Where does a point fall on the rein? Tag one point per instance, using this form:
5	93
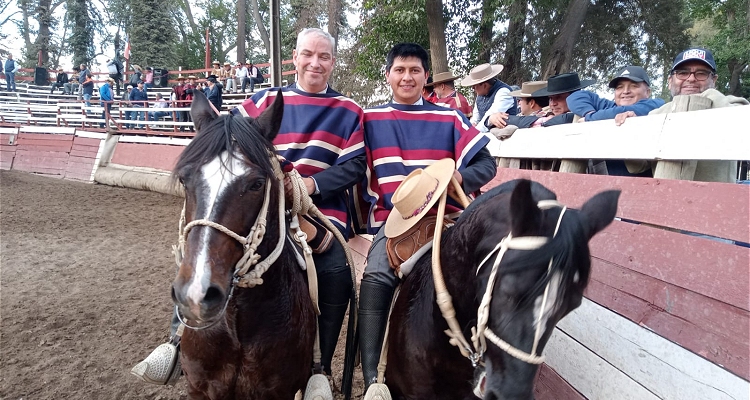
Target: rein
481	331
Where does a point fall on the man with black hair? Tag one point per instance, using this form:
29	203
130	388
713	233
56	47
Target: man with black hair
62	80
396	145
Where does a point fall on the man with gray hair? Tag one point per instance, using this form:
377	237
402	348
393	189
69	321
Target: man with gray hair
322	135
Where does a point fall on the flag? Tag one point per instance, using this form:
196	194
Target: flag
126	53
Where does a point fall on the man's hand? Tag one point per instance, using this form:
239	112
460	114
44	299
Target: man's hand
498	119
459	179
621	117
310	185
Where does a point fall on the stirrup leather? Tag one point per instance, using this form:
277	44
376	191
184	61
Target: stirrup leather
161	367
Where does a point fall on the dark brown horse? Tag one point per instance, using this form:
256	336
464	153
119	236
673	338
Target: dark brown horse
421	362
252	342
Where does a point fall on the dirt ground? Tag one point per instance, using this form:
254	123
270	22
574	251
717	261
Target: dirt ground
85	273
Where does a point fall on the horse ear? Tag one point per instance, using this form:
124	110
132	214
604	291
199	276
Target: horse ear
201	110
269	121
599	211
525	216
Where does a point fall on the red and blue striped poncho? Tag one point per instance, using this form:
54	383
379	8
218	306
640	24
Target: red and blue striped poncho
401	138
318	131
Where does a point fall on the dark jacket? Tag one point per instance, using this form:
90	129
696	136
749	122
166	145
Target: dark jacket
139	97
214	96
62	77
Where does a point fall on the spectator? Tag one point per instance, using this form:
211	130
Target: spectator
227	76
241	75
632	93
179	96
213	92
148	81
62	80
10	69
256	77
557	90
115	68
105	95
136	76
189	87
125	103
492	95
216	71
428	92
139	99
73	84
446	94
87	85
406	134
692	79
530	105
322	136
158	103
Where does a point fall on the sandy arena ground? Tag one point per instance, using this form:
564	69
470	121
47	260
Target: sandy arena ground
85	273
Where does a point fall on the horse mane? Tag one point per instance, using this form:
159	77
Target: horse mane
228	133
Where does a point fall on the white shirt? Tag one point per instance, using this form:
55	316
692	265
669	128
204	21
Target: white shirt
503	101
241	72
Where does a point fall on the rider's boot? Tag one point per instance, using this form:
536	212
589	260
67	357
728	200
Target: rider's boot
162	366
333	301
374	304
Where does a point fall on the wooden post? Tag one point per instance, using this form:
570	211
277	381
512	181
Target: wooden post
275	68
684	170
574	166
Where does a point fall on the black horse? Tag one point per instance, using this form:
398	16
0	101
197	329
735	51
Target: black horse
534	289
252	342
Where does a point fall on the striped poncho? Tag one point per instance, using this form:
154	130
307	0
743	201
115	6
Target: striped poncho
318	131
401	138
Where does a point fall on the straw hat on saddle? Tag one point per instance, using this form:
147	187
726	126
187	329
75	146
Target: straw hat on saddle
527	88
481	73
416	195
442	77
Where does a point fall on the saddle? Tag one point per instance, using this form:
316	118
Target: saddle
404	246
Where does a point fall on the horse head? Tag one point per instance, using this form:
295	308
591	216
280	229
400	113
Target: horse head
538	281
228	176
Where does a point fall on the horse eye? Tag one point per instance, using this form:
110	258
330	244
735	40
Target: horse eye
257	185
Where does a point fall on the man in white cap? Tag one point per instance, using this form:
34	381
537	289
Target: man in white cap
493	95
401	137
446	94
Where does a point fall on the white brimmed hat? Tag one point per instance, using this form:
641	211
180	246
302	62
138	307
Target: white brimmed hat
527	88
481	73
416	195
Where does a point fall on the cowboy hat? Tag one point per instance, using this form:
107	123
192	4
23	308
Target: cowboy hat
216	62
192	77
481	73
527	88
416	195
442	77
227	63
563	83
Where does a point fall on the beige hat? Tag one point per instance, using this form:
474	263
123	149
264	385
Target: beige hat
527	88
216	62
442	77
481	73
416	195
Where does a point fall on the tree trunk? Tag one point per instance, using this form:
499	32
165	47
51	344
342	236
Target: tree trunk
44	17
335	9
241	29
561	52
513	72
735	71
485	31
261	27
24	5
189	14
436	29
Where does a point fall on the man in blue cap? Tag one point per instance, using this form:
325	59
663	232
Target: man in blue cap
693	72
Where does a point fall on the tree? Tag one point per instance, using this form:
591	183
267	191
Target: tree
436	29
152	33
559	56
513	71
81	40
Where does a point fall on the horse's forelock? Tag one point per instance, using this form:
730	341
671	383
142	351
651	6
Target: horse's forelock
227	133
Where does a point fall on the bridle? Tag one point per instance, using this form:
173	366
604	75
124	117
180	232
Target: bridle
481	332
242	276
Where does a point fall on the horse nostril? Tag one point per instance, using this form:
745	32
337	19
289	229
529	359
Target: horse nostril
214	297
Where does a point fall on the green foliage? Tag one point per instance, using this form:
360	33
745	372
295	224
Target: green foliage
152	34
385	24
81	39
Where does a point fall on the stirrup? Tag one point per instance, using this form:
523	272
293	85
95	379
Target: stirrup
318	388
161	367
378	391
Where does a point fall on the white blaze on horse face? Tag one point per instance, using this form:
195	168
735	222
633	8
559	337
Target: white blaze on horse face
549	305
217	176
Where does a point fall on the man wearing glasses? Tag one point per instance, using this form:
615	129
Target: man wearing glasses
694	74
